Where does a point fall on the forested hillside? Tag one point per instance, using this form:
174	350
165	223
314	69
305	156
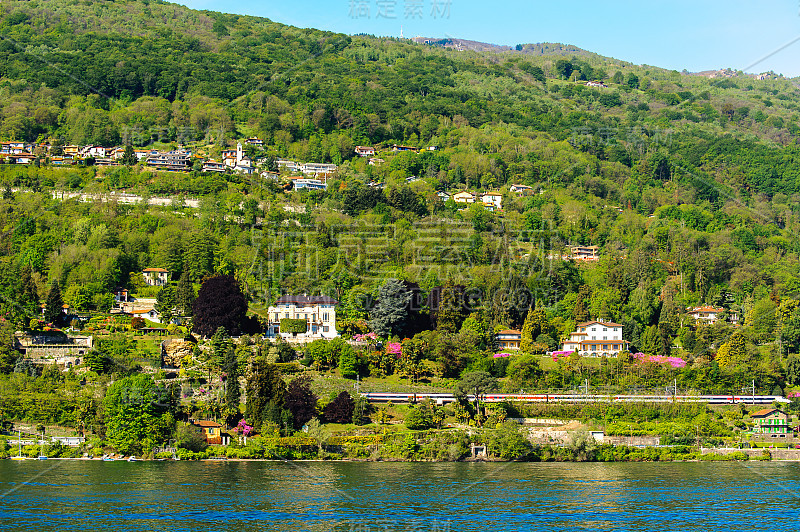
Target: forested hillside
688	185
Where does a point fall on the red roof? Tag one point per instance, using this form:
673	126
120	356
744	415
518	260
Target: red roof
156	270
765	412
605	323
206	424
510	332
707	308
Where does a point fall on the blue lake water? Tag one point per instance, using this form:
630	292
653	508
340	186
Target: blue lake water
364	497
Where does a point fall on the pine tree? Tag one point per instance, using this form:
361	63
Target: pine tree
232	391
264	384
184	296
128	157
53	309
220	345
28	294
581	312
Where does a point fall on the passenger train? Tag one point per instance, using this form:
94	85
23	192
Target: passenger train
444	398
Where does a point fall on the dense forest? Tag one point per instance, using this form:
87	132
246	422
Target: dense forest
688	185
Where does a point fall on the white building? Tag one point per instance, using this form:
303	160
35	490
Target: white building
311	184
319	312
492	201
156	276
596	338
707	314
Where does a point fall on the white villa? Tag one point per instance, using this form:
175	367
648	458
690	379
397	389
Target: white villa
706	313
156	276
596	338
319	312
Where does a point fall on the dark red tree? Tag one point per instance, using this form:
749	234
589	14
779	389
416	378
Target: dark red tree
340	410
220	303
301	401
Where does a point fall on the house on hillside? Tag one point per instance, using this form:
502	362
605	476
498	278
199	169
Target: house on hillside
375	161
150	314
706	314
464	197
365	151
596	338
492	201
596	84
171	161
584	253
509	339
316	315
212	432
213	166
521	190
156	276
770	421
308	184
398	148
254	141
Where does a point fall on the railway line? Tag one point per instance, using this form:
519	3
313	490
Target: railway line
444	398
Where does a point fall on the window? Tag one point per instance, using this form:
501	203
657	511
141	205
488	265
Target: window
325	328
615	329
594	347
325	316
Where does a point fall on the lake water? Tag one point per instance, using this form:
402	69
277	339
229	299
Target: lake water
365	497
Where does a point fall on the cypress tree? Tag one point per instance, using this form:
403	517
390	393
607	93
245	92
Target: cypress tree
184	295
54	305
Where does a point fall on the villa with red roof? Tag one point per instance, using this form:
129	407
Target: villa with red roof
596	338
156	276
707	313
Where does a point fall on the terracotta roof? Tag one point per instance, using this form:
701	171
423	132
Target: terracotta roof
605	323
764	412
510	331
707	308
207	424
157	270
142	311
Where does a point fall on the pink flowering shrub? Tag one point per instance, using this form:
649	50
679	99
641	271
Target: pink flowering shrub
394	348
560	354
243	428
793	394
501	355
369	337
674	362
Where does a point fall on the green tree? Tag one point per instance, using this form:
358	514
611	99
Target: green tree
349	363
28	294
184	295
128	157
526	343
136	421
451	311
232	390
793	370
264	385
477	384
54	305
395	313
166	303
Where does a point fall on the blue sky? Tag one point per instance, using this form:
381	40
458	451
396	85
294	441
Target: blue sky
696	35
